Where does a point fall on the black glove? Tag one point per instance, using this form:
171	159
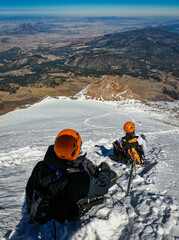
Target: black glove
103	165
86	206
116	145
89	166
77	163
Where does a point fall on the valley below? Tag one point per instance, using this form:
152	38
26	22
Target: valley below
112	59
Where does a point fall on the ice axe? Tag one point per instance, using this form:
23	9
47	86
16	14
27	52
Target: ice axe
131	171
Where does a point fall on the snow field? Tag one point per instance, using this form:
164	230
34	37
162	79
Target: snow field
150	212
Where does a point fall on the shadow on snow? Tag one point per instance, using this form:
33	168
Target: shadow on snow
104	151
49	231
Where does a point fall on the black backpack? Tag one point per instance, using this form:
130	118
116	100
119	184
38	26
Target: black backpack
132	149
45	193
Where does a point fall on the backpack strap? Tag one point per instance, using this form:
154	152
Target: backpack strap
68	170
38	210
133	140
34	206
58	172
131	147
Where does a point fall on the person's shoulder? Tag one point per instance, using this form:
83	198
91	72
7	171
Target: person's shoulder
38	165
50	148
50	152
140	139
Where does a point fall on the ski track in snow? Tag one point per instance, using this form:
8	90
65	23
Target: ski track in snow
96	118
151	210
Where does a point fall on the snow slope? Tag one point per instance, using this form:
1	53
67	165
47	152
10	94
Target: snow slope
150	212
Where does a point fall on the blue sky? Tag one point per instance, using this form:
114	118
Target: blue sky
93	7
91	2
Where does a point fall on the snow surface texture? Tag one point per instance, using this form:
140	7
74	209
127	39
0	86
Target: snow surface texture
150	212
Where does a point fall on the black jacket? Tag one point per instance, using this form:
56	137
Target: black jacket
60	187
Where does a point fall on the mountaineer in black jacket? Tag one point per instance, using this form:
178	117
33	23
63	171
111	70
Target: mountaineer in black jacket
65	185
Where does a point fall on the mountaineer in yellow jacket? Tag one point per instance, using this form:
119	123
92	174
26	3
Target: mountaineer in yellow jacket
130	147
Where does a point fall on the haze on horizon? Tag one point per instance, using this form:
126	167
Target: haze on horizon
91	7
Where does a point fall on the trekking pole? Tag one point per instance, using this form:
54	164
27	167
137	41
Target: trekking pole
121	174
130	177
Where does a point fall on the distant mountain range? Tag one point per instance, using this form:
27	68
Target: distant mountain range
170	27
27	28
135	52
81	25
24	29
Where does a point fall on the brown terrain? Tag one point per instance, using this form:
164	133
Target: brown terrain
30	95
115	88
61	57
110	88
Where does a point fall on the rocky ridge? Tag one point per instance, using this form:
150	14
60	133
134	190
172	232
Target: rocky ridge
110	88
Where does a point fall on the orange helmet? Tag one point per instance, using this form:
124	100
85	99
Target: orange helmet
67	144
129	127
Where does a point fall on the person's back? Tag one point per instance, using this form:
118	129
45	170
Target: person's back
63	181
51	181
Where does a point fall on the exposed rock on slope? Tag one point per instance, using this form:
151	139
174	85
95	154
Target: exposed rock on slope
110	88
